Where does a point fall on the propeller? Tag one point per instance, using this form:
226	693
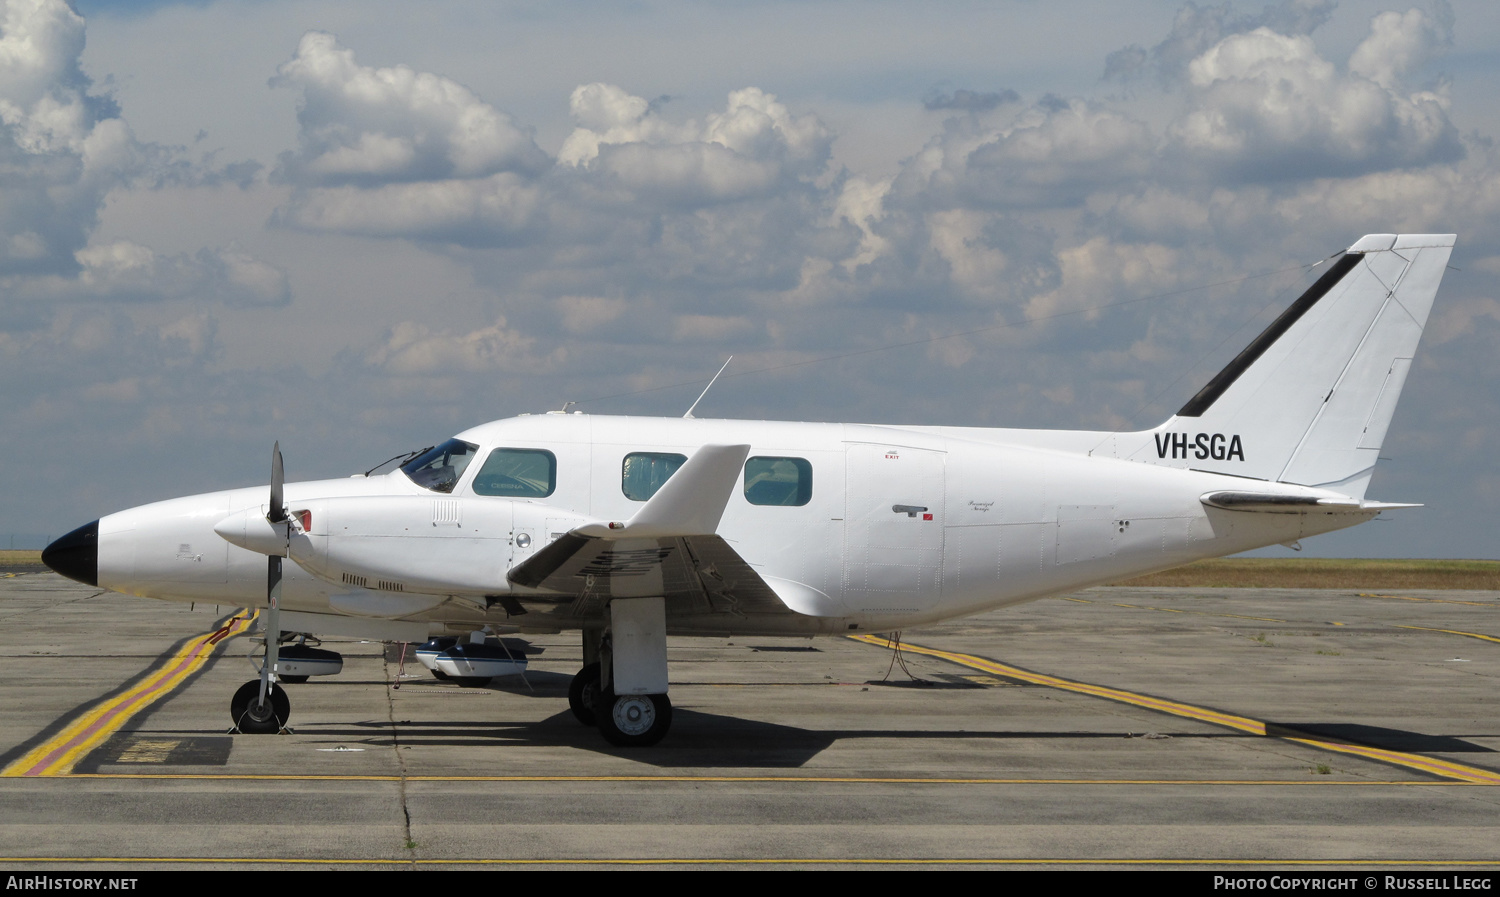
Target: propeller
277	516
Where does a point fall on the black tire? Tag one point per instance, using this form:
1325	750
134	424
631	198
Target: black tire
439	674
470	681
293	680
252	718
633	720
583	692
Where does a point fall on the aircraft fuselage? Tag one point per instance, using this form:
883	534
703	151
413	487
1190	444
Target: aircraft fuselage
899	526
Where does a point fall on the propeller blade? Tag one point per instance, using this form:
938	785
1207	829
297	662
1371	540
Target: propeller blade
277	514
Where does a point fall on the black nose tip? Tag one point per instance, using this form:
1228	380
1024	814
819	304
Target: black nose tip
76	555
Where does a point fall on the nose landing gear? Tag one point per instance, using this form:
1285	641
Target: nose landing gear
261	706
254	716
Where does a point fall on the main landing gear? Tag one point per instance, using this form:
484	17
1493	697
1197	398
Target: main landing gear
633	720
583	692
623	720
622	687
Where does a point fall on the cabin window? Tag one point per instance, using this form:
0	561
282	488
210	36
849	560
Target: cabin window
778	481
517	473
440	467
644	472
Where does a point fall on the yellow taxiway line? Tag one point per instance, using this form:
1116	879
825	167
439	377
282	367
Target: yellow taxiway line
1446	769
1478	635
1489	604
59	754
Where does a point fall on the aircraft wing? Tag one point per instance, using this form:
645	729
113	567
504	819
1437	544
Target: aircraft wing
669	547
697	574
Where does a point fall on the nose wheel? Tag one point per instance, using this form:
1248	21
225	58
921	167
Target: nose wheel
253	716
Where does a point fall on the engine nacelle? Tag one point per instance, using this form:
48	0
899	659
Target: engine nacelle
419	544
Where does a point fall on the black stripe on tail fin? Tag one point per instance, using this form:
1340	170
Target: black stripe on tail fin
1231	372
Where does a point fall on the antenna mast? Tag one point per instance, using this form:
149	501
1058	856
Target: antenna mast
689	415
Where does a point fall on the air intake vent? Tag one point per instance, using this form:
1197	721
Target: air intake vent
445	513
387	586
351	579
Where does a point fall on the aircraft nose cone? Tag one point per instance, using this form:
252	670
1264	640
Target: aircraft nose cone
76	555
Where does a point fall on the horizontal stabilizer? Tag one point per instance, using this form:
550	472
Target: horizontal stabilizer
1293	502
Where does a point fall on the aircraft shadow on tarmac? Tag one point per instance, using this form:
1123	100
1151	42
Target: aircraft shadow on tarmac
699	740
707	740
1378	737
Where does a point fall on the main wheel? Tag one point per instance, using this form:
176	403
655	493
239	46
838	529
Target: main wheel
633	720
252	717
583	692
470	681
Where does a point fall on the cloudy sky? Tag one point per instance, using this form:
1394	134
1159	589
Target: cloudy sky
360	227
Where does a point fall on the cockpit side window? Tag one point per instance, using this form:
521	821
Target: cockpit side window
440	467
645	472
517	473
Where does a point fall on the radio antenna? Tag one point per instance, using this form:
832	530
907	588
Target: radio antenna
689	415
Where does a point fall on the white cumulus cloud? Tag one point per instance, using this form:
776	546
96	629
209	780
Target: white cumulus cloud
752	148
491	210
61	147
63	150
1266	106
367	125
414	348
124	270
1053	153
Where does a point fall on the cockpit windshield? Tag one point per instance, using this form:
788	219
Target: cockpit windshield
439	467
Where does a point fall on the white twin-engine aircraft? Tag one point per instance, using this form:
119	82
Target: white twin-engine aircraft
633	529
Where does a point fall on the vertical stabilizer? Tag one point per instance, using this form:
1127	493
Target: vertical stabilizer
1309	400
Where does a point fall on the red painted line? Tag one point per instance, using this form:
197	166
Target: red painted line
150	691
